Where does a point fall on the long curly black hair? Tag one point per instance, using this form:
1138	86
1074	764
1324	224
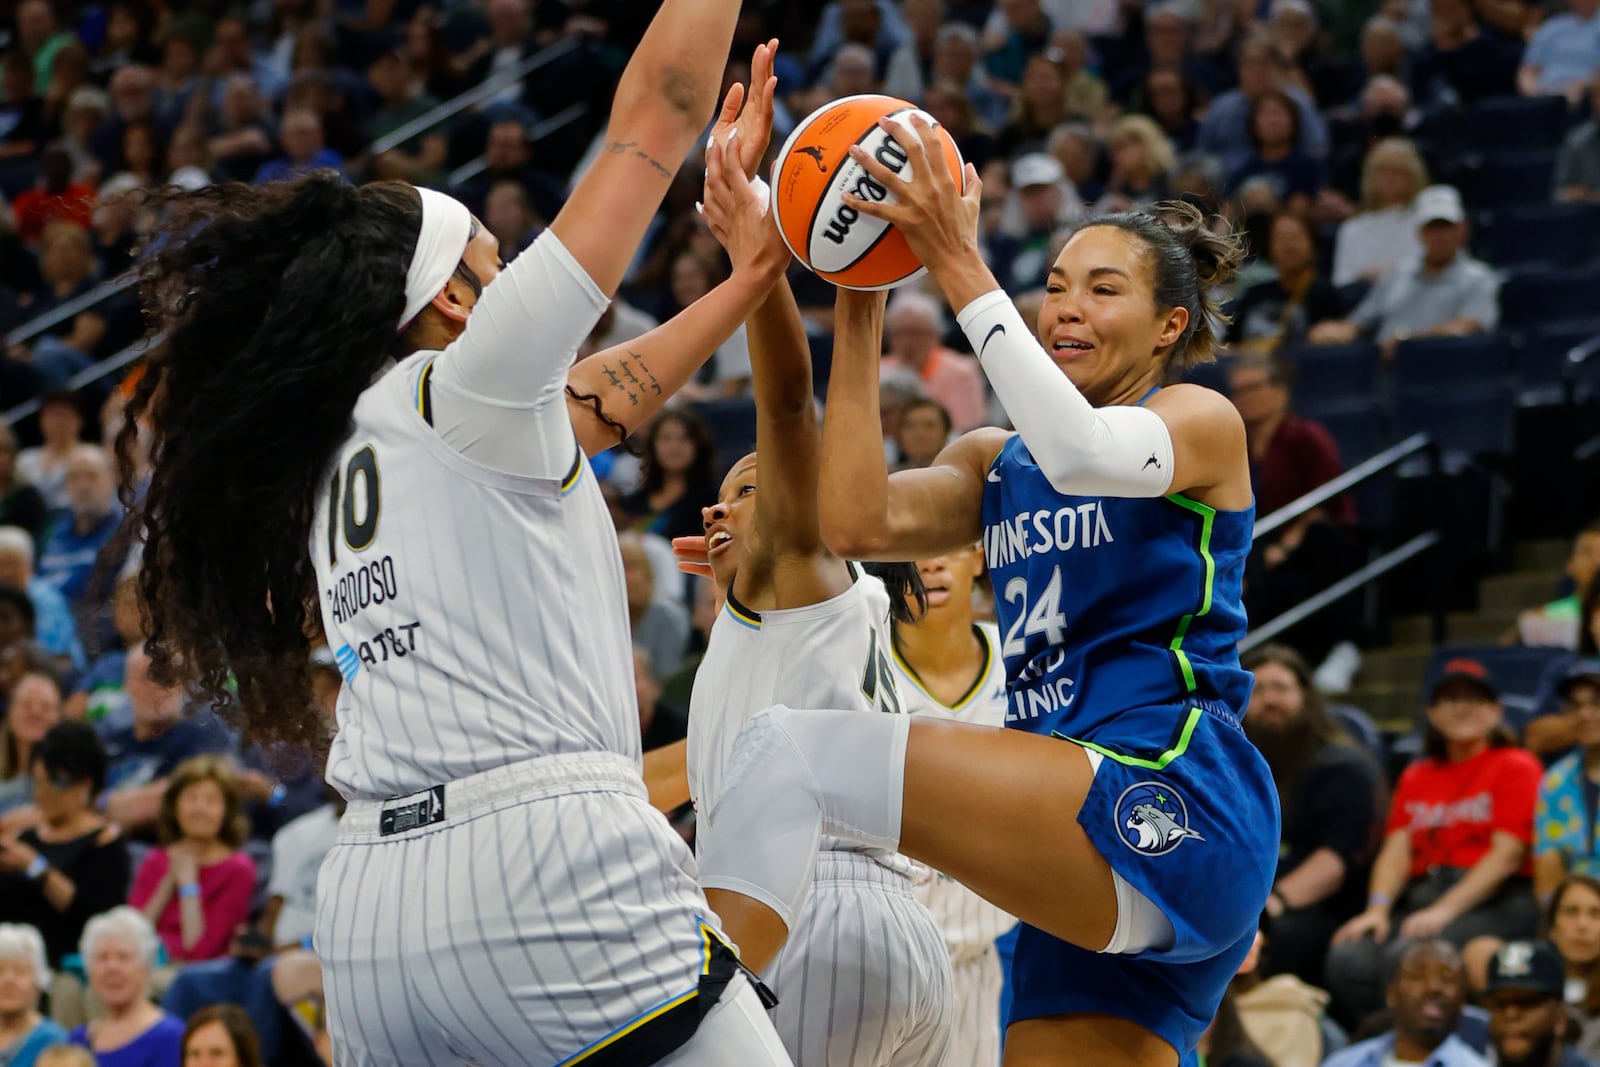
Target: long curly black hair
271	309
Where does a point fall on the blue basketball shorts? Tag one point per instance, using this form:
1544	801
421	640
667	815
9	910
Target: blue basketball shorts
1195	829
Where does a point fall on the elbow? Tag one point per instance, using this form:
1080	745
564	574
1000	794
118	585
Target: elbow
849	537
669	95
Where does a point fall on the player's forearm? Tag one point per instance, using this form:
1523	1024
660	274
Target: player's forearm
666	776
853	483
1121	451
633	380
669	88
780	358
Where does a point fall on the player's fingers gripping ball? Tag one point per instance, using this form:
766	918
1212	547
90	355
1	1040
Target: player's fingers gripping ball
813	174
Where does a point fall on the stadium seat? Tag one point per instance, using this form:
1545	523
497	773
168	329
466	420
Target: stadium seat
1542	357
733	427
1557	235
1511	179
1334	373
1210	375
1517	123
1535	298
1355	425
1517	672
1474	422
1425	362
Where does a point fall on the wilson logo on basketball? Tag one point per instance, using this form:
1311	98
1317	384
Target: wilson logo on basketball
890	155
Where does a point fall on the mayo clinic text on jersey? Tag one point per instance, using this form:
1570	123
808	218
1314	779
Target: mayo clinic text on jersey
1017	538
368	584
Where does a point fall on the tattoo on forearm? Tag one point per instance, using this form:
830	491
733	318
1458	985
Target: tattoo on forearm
631	148
633	367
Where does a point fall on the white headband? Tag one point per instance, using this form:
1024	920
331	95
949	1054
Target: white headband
446	229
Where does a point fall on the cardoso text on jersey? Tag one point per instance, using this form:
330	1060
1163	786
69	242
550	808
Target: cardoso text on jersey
358	589
1074	526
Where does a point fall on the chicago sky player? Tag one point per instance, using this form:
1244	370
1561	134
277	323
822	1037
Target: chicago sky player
348	371
1116	526
950	665
862	978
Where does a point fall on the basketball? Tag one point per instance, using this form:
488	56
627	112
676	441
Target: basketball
813	173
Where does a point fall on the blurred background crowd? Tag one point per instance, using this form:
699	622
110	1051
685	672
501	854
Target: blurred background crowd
1419	181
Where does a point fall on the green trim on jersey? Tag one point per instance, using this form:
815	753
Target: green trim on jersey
1161	761
1208	517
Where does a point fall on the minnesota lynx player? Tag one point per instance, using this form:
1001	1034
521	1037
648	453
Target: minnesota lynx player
862	978
950	666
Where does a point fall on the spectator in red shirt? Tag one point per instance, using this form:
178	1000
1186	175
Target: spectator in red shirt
912	323
54	198
196	887
1455	861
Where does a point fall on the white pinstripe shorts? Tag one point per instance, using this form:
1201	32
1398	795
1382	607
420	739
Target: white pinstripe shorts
864	978
530	914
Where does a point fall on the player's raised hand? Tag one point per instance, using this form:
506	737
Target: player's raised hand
749	111
737	215
693	556
937	214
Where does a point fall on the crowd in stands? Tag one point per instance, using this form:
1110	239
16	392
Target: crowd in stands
1418	180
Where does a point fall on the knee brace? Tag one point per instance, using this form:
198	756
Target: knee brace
795	775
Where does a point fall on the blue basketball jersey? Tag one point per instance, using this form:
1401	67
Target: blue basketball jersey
1118	616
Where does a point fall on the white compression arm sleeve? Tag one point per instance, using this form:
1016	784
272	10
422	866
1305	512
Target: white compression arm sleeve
1081	449
498	388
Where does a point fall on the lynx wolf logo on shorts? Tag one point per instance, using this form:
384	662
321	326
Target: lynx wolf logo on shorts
1153	819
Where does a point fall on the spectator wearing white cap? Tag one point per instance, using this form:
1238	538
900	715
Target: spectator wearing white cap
1041	200
23	979
1443	293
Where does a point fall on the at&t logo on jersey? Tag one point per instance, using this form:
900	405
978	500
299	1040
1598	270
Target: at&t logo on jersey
1152	819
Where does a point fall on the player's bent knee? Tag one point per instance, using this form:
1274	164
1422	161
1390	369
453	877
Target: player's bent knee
760	839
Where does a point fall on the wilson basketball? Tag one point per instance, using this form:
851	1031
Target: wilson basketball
813	173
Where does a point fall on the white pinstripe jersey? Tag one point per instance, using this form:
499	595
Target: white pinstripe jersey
970	923
834	654
479	618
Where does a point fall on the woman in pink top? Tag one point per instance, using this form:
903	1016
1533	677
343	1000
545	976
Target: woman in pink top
196	887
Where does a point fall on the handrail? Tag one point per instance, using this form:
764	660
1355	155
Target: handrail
1581	353
455	105
540	130
1379	463
87	376
104	291
1339	590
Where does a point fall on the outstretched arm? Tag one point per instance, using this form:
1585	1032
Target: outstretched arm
865	514
1185	439
633	380
556	290
665	98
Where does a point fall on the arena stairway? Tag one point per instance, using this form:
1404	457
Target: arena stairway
1389	684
